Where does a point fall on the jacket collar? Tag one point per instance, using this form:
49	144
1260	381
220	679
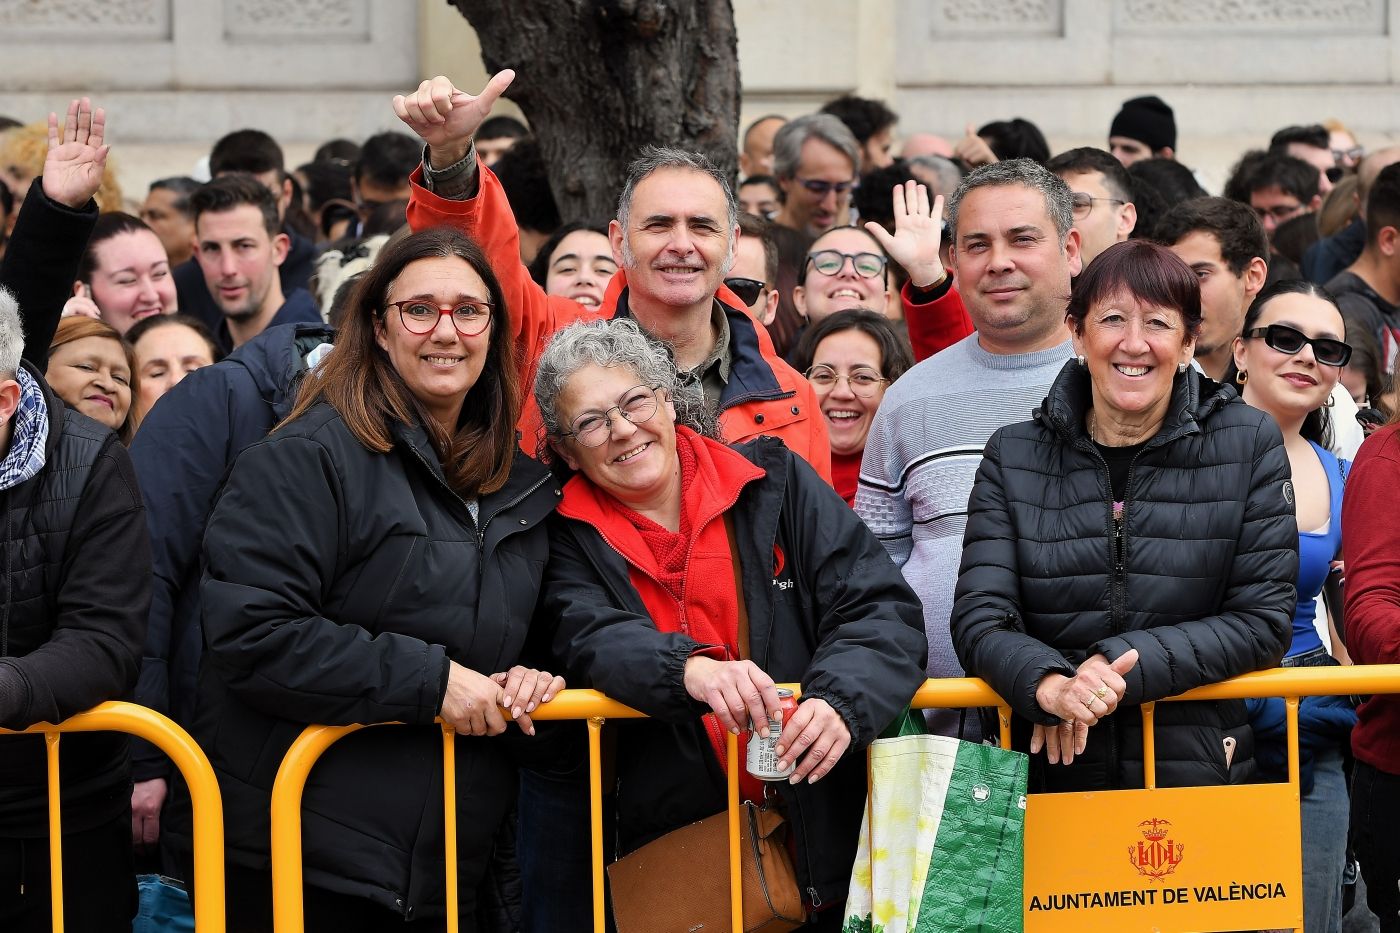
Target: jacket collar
527	475
721	473
1195	398
751	374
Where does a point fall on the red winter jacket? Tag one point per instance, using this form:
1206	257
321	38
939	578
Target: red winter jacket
764	395
1371	543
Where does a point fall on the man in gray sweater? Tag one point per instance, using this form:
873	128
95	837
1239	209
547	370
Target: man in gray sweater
1014	252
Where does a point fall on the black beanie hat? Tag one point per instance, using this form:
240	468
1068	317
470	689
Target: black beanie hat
1148	120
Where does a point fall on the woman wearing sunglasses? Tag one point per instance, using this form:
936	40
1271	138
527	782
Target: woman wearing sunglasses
851	358
1287	361
409	544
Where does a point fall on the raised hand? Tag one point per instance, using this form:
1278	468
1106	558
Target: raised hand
973	150
77	155
447	118
918	232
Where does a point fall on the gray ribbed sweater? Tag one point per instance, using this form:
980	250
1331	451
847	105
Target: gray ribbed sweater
921	458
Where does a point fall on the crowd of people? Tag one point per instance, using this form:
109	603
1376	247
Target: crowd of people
384	438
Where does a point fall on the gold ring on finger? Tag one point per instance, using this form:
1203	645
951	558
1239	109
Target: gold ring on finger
1101	692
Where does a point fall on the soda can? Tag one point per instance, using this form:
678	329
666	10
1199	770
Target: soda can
763	753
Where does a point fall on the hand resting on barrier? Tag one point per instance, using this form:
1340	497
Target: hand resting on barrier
1080	702
474	703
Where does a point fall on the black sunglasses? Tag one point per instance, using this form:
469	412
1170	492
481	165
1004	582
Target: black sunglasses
748	290
1287	339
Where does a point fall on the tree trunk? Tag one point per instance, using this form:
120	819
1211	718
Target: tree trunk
600	79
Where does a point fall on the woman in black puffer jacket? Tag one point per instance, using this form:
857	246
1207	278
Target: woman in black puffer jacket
1134	540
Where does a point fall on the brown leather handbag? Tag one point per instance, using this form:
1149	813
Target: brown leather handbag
680	882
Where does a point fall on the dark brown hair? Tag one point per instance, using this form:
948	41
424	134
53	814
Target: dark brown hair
1148	272
358	380
895	356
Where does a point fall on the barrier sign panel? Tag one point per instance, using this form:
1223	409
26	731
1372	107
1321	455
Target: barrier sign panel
1174	859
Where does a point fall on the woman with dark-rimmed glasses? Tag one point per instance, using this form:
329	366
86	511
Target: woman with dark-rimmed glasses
851	358
377	559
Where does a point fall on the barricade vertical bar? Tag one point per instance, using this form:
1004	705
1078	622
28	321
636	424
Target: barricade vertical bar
1291	706
595	802
1004	722
55	832
449	820
736	875
1149	745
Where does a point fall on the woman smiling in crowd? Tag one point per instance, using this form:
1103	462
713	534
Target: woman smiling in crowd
124	275
411	547
93	370
851	358
1142	517
1286	363
576	262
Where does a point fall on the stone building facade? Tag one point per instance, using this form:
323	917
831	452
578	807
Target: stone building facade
176	74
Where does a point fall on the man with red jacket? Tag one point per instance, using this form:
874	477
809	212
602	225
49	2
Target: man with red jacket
674	241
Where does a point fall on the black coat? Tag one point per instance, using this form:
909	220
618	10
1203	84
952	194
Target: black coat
1202	586
338	583
182	452
838	618
41	264
77	584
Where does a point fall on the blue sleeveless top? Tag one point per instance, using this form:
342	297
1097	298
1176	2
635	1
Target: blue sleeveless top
1315	555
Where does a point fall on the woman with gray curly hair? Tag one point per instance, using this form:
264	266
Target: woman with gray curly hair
641	585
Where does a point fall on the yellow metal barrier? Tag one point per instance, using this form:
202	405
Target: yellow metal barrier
199	776
596	709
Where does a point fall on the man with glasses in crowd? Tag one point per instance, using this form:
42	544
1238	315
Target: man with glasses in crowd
674	238
1101	193
1281	187
816	160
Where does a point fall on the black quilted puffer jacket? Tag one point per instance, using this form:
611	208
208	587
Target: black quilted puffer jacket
1198	576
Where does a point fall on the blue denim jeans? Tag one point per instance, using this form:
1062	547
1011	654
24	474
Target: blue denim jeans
1325	810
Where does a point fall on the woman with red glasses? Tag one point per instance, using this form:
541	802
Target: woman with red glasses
377	559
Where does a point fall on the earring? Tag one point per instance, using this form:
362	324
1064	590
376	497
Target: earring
1331	401
1081	360
1242	377
1182	367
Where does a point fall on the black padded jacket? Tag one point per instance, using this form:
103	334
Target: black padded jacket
1198	577
338	583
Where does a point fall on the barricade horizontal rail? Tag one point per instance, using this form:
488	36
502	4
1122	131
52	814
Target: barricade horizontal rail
596	708
199	777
